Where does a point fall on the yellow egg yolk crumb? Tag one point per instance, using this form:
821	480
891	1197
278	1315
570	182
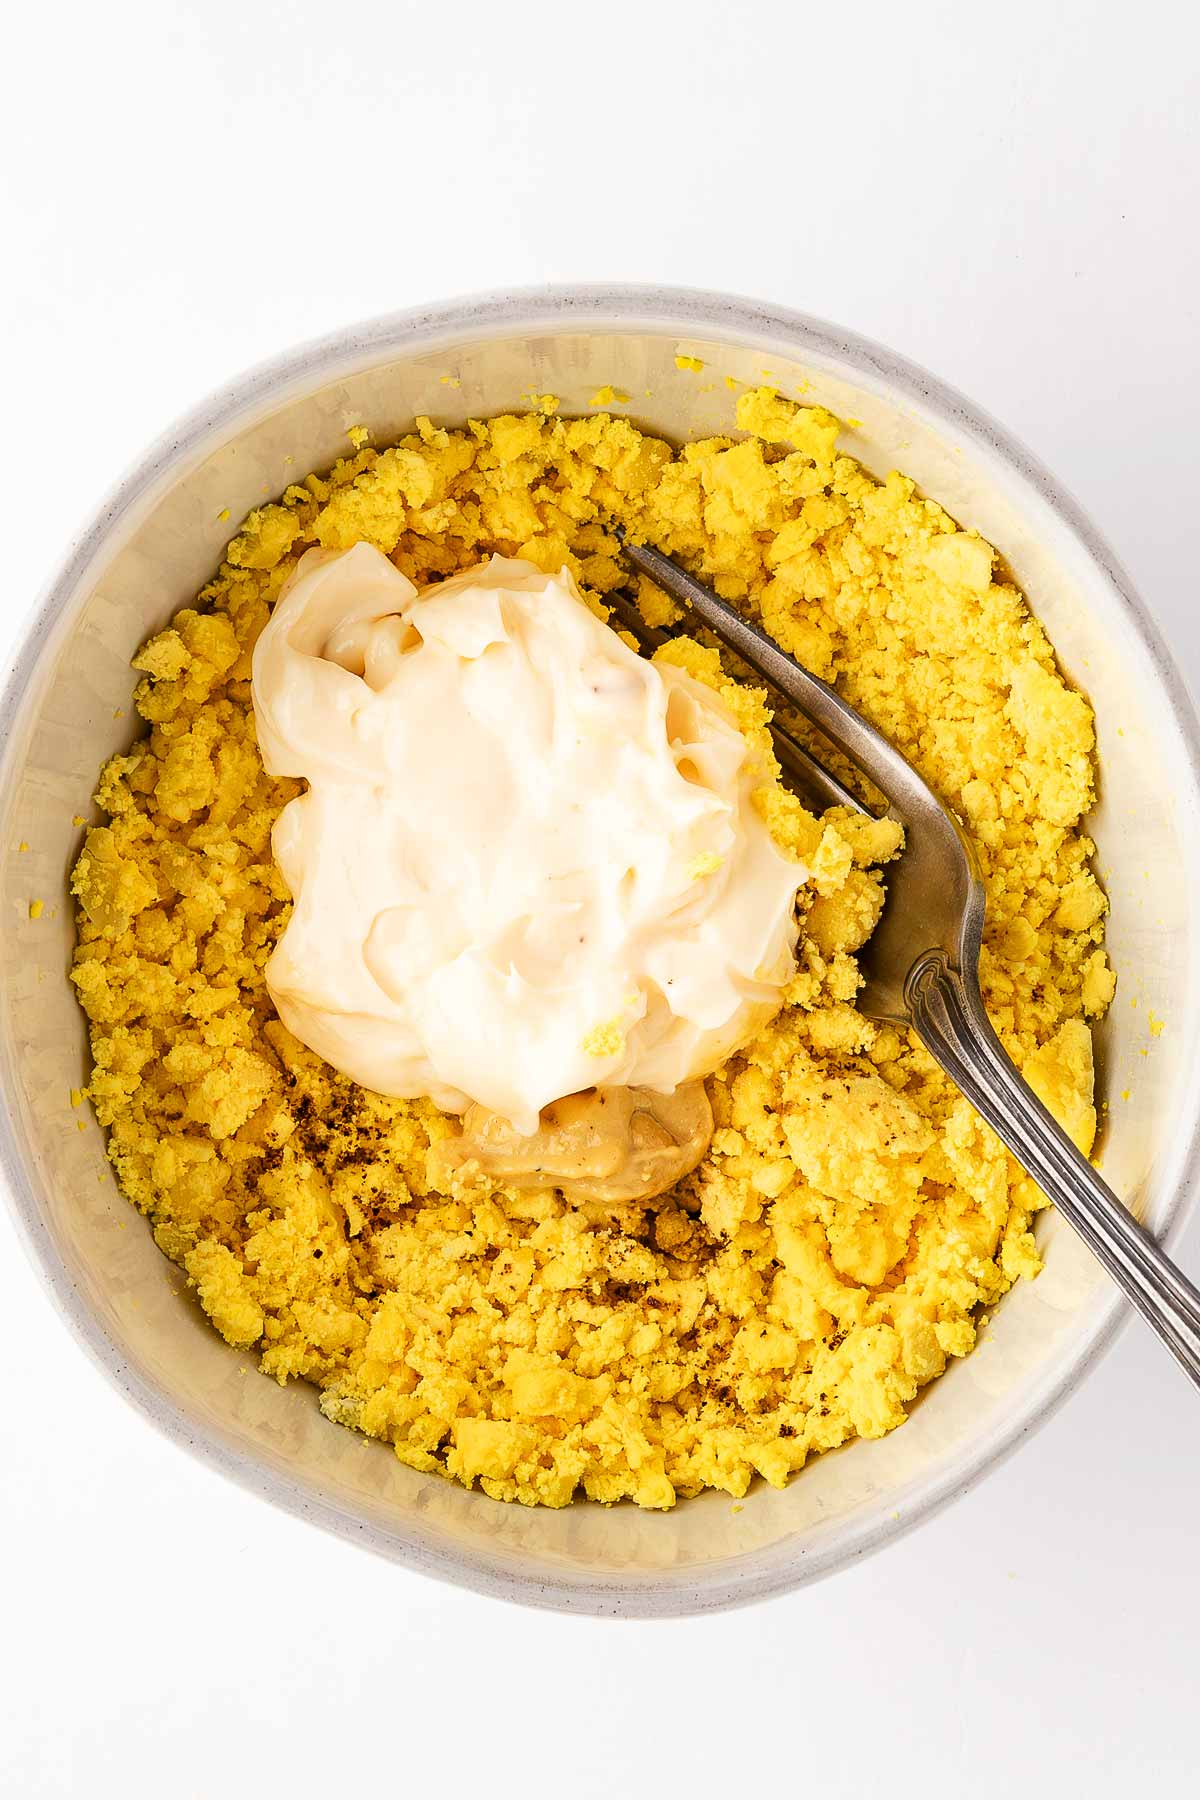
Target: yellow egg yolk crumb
605	1040
707	863
852	1214
609	396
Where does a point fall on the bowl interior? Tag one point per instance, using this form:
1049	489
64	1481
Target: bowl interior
70	707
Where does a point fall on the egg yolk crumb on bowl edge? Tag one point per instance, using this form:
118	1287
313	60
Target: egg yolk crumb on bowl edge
852	1215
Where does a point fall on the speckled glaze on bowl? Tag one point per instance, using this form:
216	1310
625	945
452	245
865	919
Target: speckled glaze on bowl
147	552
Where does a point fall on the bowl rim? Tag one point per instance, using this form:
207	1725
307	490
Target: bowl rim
551	310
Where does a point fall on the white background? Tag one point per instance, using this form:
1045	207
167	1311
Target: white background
1011	195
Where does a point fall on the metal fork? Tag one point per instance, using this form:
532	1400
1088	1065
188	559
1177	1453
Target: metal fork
921	965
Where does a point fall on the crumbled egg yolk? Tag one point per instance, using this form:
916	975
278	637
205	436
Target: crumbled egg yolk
831	1250
609	396
605	1040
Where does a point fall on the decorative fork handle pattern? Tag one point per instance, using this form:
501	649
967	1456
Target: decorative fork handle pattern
947	1013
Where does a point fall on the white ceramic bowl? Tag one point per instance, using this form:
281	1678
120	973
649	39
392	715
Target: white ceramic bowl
148	551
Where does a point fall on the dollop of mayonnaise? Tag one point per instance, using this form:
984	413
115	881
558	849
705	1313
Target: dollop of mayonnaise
528	861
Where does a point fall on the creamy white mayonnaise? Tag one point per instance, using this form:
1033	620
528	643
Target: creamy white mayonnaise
528	861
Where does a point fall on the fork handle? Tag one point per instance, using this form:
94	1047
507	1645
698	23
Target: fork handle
947	1013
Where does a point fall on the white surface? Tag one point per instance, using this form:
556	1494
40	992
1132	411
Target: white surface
1008	195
